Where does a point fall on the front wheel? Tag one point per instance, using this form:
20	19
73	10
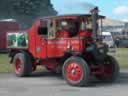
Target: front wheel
76	71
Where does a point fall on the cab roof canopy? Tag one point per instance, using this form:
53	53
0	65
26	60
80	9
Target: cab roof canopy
70	16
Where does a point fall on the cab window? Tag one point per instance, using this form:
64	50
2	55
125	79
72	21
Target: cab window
43	29
67	28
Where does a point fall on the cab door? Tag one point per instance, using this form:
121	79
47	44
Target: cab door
55	46
41	40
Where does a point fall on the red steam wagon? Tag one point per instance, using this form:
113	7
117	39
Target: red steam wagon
70	44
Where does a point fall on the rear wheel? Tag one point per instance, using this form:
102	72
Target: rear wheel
110	70
22	64
76	71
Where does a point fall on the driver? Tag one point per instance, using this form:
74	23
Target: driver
63	30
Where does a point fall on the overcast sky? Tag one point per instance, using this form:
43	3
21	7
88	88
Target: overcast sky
115	9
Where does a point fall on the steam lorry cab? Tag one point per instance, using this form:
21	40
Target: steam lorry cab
68	44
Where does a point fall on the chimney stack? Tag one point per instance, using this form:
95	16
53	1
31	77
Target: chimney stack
94	13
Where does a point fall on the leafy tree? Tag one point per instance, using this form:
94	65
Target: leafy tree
25	11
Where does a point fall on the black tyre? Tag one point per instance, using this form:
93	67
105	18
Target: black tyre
111	70
76	71
22	64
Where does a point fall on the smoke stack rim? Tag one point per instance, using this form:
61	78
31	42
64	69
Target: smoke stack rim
94	11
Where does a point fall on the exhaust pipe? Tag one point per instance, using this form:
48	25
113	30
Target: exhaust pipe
94	13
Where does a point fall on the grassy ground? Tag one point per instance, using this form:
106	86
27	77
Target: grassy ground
121	55
4	63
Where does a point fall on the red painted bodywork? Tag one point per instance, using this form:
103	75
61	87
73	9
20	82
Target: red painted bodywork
43	48
6	26
63	43
51	48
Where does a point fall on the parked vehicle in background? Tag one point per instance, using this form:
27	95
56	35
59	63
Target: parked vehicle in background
5	26
108	39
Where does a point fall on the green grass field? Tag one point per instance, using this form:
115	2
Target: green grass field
4	63
121	55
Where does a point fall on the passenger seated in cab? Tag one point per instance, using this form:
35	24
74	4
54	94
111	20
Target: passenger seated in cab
67	29
86	30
